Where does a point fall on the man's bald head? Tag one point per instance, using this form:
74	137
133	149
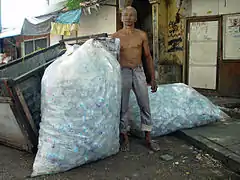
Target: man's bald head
129	16
130	9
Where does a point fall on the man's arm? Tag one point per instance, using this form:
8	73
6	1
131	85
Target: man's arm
114	35
148	55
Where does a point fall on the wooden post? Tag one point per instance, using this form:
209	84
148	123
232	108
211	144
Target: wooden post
1	41
0	16
155	26
124	3
128	3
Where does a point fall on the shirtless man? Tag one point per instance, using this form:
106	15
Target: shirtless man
133	77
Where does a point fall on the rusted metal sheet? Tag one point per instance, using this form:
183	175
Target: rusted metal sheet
20	88
10	132
229	78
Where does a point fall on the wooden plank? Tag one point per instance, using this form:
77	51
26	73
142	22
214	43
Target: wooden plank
26	110
5	99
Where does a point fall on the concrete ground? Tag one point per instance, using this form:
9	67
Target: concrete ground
220	139
176	161
226	102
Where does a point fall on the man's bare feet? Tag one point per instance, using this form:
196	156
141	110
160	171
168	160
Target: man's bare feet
152	145
125	147
124	144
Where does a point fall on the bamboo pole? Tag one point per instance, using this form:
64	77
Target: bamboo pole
1	41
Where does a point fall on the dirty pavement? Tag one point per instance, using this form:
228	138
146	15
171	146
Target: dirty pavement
176	161
220	139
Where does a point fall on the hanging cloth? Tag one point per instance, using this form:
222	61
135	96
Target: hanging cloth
66	23
63	29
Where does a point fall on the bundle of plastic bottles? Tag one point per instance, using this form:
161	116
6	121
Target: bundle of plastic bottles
174	107
80	104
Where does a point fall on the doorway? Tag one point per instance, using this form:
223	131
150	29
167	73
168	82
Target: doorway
202	53
144	23
144	20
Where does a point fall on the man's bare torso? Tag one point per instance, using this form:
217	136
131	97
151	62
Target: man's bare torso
131	47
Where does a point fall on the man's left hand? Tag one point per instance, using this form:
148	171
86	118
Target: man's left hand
154	86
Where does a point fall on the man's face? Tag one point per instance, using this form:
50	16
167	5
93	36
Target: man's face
129	17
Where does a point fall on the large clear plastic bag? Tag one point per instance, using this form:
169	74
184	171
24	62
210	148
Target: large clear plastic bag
81	96
174	107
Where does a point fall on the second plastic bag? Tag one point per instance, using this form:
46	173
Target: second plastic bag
174	107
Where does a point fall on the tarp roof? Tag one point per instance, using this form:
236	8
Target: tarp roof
37	26
41	24
10	32
33	26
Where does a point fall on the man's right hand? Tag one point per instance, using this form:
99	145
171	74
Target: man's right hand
154	86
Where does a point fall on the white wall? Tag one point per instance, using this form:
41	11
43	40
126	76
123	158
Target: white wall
103	21
232	6
55	1
54	39
214	7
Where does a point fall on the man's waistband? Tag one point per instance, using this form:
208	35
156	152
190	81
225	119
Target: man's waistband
140	66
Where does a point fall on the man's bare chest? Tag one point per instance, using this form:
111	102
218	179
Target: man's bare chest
130	42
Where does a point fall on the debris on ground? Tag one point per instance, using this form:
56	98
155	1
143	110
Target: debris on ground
137	164
166	157
232	112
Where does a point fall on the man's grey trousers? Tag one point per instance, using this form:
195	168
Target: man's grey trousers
135	79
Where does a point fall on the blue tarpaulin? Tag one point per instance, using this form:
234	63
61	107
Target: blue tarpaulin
69	17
